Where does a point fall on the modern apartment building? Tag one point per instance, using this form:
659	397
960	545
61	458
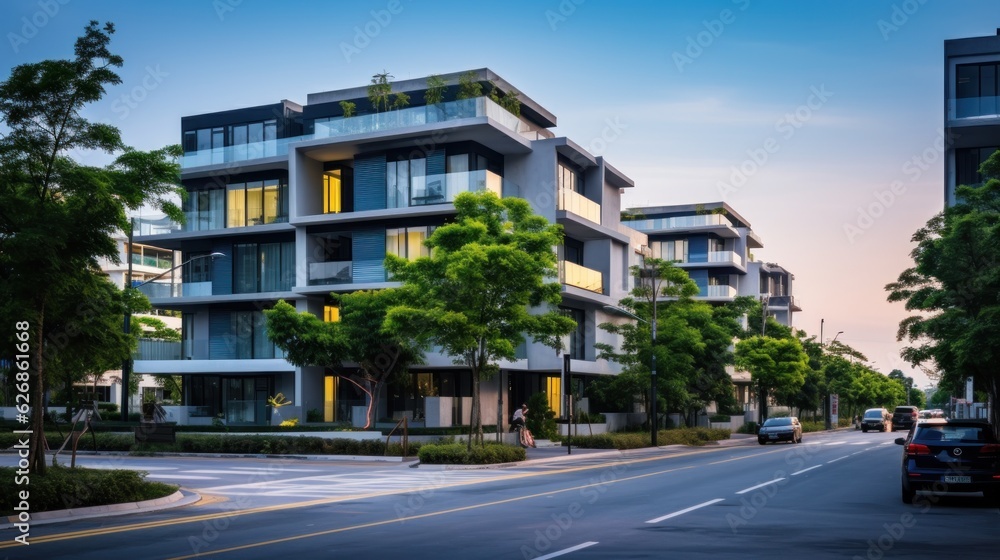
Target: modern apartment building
972	109
713	243
293	202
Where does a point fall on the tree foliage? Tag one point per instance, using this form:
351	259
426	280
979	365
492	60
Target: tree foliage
359	337
777	366
57	217
486	285
953	290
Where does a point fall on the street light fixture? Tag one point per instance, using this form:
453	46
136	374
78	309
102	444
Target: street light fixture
127	363
652	377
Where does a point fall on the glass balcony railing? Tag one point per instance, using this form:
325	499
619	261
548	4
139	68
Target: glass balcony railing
582	277
204	220
721	292
361	124
339	272
154	226
725	257
153	349
974	107
677	222
152	261
162	290
580	205
439	189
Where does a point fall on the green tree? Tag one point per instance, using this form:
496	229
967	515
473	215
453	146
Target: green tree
777	367
358	337
57	217
379	91
953	290
436	87
468	86
485	287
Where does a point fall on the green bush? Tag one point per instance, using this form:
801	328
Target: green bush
541	419
64	488
637	440
590	418
720	418
748	428
457	454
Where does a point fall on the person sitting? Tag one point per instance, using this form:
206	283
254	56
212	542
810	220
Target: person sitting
519	416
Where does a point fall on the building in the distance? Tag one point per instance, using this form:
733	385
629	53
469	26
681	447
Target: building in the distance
298	201
972	109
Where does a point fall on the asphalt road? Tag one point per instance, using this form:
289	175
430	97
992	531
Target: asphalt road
834	496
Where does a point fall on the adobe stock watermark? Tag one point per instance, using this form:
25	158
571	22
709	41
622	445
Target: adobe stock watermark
713	29
124	105
364	34
223	7
562	12
544	538
899	17
786	127
914	169
31	25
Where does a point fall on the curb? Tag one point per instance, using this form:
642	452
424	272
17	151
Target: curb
177	499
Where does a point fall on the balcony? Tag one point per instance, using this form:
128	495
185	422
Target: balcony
362	124
334	272
443	188
783	302
974	107
723	291
582	277
725	257
204	220
678	222
163	290
154	349
578	204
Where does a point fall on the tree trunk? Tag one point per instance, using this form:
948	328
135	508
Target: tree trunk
36	441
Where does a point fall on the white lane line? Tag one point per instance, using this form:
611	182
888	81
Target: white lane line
752	488
806	470
837	459
566	550
836	443
683	511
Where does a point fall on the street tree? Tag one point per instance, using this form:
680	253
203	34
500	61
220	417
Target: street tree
358	337
953	290
777	367
486	286
57	216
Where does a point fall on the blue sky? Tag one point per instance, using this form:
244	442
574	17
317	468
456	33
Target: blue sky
817	121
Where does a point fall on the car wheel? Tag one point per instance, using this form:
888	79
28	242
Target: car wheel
864	430
907	494
762	442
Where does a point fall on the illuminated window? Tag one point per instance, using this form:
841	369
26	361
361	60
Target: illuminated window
331	314
329	398
332	202
408	242
256	202
553	390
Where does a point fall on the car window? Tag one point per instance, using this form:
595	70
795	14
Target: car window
954	434
873	414
778	422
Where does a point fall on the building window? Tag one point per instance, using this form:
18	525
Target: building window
402	178
331	314
408	242
263	267
205	210
332	195
256	202
553	390
674	251
568	178
203	394
249	331
967	162
976	89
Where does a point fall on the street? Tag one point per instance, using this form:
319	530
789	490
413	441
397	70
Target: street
836	495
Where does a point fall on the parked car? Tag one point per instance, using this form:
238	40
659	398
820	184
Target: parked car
876	419
780	429
931	413
904	417
950	456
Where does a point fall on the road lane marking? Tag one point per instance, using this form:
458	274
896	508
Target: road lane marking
806	470
683	511
182	476
837	459
752	488
567	550
835	443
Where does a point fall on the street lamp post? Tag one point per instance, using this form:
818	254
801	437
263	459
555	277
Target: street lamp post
652	377
127	363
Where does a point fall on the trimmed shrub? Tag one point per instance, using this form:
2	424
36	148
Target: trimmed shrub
64	488
456	454
636	440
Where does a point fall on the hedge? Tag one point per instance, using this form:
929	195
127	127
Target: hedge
64	488
458	454
637	440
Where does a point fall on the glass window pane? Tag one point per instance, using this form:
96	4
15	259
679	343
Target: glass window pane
392	243
236	211
204	139
255	203
255	132
245	268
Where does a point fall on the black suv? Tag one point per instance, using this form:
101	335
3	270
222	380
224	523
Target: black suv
904	417
951	456
876	419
